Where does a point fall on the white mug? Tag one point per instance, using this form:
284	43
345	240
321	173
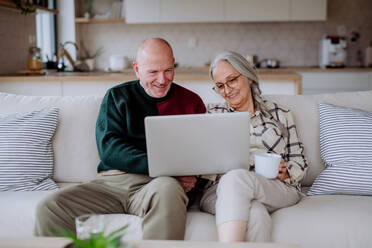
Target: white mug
118	62
267	164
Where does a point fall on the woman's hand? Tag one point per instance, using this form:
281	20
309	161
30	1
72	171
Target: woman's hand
187	182
283	173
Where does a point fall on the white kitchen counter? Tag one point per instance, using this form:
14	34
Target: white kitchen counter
96	83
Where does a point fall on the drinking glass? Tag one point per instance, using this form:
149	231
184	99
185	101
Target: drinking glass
89	224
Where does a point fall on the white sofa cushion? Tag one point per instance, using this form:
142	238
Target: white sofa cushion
26	154
306	116
325	221
18	218
195	222
200	226
17	210
345	135
351	178
346	149
77	161
76	156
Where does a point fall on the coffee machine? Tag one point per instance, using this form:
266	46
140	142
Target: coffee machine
332	52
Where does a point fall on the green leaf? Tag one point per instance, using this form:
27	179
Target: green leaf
99	240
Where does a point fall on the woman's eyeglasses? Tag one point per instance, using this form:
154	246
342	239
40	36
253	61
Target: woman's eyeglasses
232	84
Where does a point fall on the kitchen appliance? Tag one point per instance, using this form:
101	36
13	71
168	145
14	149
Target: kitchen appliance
332	52
118	62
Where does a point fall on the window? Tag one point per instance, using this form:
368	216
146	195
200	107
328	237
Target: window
46	32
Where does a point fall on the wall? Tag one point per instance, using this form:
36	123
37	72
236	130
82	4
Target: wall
15	30
293	43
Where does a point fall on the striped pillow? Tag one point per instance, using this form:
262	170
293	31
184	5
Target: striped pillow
26	153
346	149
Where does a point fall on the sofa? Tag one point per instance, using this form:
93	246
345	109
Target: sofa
316	221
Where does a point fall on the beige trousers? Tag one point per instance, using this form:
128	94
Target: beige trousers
160	201
243	195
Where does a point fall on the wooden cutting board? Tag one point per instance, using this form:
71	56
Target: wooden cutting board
35	73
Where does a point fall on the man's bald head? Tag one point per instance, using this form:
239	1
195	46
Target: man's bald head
154	66
153	46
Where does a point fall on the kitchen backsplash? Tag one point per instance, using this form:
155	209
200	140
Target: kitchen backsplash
17	32
293	43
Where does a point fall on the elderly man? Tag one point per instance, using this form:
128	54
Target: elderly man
123	184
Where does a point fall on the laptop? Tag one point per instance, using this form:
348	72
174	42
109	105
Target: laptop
197	144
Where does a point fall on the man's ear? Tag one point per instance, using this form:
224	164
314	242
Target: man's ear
135	68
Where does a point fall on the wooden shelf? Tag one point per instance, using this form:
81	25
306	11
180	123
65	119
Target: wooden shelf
46	9
103	20
9	4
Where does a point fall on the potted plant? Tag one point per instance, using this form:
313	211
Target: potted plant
25	7
88	6
89	57
98	240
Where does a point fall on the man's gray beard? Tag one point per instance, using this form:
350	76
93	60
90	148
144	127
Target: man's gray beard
151	93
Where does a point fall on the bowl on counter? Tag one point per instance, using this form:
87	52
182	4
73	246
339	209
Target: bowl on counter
269	63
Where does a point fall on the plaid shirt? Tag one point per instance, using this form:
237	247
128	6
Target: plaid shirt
274	132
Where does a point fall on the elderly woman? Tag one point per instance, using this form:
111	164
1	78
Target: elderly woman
241	199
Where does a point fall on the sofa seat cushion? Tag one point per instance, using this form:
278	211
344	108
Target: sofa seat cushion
195	222
325	221
17	210
18	218
200	226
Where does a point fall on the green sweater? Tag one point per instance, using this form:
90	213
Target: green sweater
120	128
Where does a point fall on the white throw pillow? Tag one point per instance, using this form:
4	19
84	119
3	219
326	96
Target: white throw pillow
346	149
26	152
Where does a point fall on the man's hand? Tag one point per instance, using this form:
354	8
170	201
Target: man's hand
187	182
283	173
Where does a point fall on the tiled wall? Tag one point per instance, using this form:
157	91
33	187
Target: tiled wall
15	30
293	43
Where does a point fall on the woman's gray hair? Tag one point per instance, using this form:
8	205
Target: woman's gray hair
239	63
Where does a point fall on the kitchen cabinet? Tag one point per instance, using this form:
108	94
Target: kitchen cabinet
305	10
181	11
331	82
256	10
23	86
281	81
275	10
83	88
204	90
271	82
59	86
142	11
197	80
268	87
191	11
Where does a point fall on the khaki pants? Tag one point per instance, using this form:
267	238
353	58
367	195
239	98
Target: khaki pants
160	201
242	195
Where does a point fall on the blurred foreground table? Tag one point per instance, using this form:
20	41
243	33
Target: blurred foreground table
64	242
